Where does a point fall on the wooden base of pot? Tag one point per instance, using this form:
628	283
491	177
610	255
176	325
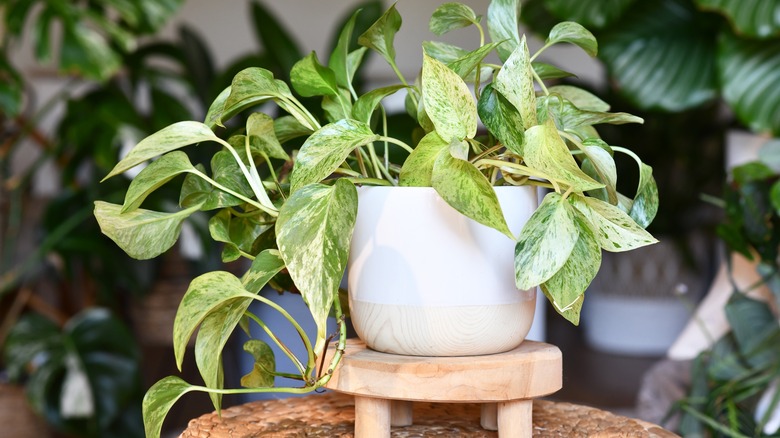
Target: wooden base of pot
385	385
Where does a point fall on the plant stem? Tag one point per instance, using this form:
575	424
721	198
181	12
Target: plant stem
519	168
252	178
254	203
396	142
278	342
369	181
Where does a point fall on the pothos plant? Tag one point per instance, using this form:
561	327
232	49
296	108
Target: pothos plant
292	211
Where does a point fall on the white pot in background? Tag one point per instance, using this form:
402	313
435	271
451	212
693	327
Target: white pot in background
425	280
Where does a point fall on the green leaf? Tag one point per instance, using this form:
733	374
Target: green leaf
600	162
367	103
381	34
238	233
752	171
32	335
769	154
549	71
448	101
260	130
546	151
582	99
749	71
751	18
310	78
158	402
274	38
515	82
225	171
165	140
288	128
645	204
253	86
325	150
503	21
546	242
466	190
313	231
755	329
613	229
451	16
142	234
465	65
214	113
337	107
570	118
10	88
206	294
154	176
262	374
339	58
502	119
443	52
265	265
566	288
662	55
418	167
571	32
84	50
595	14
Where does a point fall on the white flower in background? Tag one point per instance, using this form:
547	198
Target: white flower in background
76	400
764	403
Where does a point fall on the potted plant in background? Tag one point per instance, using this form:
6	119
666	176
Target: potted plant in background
293	214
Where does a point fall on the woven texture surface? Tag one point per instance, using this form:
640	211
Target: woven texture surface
333	415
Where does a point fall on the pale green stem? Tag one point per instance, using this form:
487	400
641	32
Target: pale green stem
358	154
297	106
256	204
251	177
540	82
519	168
279	342
396	142
487	152
369	181
374	159
629	153
270	168
348	172
384	132
539	52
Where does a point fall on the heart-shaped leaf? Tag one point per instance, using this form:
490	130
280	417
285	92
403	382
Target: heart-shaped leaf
262	374
574	33
465	189
154	176
238	233
310	78
338	61
566	287
165	140
261	132
265	265
613	229
325	150
313	231
549	71
288	127
158	402
448	101
451	16
645	204
546	242
582	99
515	82
364	107
418	167
502	119
381	34
142	234
465	65
503	21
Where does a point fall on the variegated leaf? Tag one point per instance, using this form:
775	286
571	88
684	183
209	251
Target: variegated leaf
566	288
154	176
165	140
545	243
418	167
313	231
325	150
262	374
465	65
142	234
265	265
571	32
645	204
502	119
310	78
450	16
614	230
545	150
364	107
515	82
582	99
503	25
339	57
288	127
158	401
261	132
214	113
466	190
381	34
448	101
602	164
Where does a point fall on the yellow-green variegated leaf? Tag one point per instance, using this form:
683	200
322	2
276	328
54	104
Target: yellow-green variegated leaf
516	83
364	107
465	66
310	78
465	189
261	133
288	127
600	162
546	151
154	176
545	243
503	21
381	34
325	150
142	234
262	374
572	32
448	101
614	229
418	167
566	288
313	231
158	401
645	204
165	140
214	113
206	294
582	99
450	16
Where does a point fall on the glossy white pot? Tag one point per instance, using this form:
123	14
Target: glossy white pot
425	280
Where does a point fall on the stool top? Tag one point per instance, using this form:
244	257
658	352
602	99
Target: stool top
531	370
332	414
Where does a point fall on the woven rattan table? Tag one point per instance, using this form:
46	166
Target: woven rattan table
332	415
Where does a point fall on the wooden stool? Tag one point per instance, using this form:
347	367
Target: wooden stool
385	385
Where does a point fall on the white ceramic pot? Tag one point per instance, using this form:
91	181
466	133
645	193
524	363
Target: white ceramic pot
425	280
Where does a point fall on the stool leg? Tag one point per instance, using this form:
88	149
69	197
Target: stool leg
372	417
514	419
401	413
489	417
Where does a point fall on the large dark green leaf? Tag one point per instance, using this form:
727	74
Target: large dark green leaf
467	190
752	18
502	119
313	231
33	334
662	55
750	71
594	14
755	329
546	242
